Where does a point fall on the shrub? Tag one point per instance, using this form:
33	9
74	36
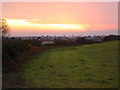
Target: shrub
28	46
11	49
65	42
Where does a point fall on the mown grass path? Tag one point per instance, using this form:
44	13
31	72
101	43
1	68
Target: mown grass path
88	66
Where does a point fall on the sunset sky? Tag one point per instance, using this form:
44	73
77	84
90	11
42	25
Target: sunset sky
61	18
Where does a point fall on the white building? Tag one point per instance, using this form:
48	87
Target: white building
47	42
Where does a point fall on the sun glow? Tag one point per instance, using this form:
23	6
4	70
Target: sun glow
15	21
67	26
26	24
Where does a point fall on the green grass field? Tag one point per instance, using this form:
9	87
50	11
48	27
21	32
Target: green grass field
88	66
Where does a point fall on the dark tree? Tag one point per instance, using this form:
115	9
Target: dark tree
111	38
80	40
4	28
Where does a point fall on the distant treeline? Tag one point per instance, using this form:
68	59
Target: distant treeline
84	40
111	38
16	51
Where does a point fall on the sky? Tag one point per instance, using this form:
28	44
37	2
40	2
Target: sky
60	0
61	18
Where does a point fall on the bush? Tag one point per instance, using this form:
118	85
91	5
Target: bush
111	38
65	42
82	40
14	52
29	46
33	42
11	49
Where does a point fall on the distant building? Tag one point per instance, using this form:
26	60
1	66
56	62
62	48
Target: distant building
95	38
47	42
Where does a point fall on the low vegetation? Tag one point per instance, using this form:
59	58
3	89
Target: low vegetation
88	66
14	52
68	65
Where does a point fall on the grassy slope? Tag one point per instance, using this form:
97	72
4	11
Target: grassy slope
87	66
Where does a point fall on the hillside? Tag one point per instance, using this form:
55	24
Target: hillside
88	66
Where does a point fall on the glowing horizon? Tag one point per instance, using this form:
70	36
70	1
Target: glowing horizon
27	24
61	18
